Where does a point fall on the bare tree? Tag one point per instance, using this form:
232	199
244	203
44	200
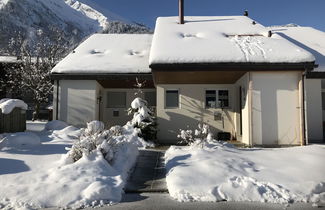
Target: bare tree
37	53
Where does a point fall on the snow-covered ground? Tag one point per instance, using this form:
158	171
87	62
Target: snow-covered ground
219	171
34	171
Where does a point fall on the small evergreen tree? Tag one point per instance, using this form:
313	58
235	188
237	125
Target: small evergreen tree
143	118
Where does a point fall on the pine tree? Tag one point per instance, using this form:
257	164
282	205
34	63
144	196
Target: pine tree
143	118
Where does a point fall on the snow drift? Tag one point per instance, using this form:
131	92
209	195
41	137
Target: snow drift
44	176
221	172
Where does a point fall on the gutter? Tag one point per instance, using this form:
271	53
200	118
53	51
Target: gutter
100	76
232	66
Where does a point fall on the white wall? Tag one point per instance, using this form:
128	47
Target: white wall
276	108
314	114
107	116
243	82
77	101
191	111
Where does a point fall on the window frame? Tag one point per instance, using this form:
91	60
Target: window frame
217	98
178	101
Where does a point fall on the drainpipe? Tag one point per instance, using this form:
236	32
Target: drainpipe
57	100
304	130
250	115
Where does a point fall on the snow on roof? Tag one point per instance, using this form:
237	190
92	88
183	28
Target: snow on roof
7	105
220	39
307	38
8	59
108	53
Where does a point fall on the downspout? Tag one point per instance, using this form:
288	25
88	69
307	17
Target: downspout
57	100
304	130
250	115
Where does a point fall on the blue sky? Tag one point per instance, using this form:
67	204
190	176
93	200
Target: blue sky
267	12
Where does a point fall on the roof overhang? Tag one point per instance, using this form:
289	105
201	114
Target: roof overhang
315	75
101	76
233	66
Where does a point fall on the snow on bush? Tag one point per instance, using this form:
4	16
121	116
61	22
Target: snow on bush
223	172
92	173
55	125
19	140
143	118
200	135
7	105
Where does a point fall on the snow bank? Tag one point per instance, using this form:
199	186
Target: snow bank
20	140
220	172
7	105
55	125
204	40
45	178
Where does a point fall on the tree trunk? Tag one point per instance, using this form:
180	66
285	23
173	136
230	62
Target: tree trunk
36	111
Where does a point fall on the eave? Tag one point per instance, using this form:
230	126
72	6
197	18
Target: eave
231	66
100	76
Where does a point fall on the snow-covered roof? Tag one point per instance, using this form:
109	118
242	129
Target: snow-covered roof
308	38
108	53
7	105
8	59
220	39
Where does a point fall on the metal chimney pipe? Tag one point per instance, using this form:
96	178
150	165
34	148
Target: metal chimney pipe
181	11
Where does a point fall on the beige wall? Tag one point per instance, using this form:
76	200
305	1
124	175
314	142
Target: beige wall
243	82
276	108
314	114
191	111
77	101
107	116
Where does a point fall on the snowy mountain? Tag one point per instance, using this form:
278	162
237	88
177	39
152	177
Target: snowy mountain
77	19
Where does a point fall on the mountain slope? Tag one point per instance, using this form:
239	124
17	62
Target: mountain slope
76	19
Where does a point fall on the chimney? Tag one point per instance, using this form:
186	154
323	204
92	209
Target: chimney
181	11
246	13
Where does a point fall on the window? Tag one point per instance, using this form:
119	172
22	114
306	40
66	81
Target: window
210	98
216	98
116	99
150	97
172	99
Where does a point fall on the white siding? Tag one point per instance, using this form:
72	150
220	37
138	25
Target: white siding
78	101
314	110
191	111
243	82
276	108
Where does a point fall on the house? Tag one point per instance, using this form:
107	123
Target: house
313	41
230	72
97	80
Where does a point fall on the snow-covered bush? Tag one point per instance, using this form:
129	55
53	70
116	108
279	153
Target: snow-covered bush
143	118
96	138
197	137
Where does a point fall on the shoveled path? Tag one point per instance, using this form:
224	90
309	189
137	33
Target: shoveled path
149	173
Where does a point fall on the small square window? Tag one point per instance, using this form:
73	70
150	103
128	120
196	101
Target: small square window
116	99
116	113
172	99
150	97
